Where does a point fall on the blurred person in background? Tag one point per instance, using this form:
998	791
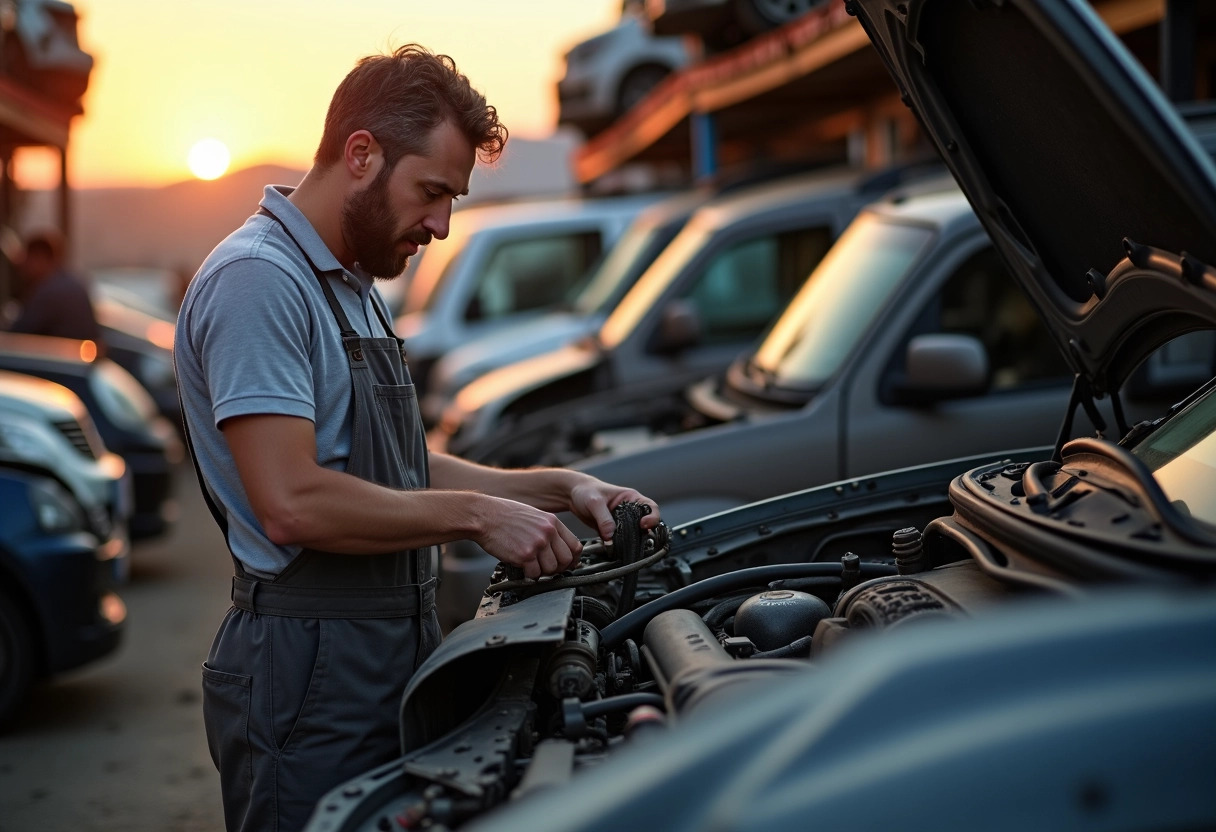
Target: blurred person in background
53	301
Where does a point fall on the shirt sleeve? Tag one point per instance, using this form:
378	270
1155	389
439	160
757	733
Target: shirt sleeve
251	328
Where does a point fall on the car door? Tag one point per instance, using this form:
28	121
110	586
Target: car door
1028	381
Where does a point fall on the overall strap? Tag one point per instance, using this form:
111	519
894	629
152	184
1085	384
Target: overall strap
339	315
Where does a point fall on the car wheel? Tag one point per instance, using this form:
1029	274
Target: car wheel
761	15
16	657
637	85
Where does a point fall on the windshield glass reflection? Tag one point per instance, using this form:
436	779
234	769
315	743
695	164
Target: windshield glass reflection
838	302
620	264
1182	456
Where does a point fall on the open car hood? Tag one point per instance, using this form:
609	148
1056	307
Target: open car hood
1086	178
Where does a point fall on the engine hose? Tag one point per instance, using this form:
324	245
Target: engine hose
624	702
723	610
632	624
527	586
628	544
800	648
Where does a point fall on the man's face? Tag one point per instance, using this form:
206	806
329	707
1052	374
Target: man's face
405	206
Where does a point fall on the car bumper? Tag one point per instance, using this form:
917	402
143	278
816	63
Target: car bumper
154	508
72	582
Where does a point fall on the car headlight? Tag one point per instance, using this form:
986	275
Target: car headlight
57	511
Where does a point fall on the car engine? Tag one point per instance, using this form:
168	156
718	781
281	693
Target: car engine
553	676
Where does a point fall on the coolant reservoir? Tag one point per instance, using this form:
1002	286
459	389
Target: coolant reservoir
779	617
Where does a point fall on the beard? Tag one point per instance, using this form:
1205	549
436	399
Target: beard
370	229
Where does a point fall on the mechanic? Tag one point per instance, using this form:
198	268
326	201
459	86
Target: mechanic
306	436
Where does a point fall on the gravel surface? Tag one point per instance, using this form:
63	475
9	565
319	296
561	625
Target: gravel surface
119	744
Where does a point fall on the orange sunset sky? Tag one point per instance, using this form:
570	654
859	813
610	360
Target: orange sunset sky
258	74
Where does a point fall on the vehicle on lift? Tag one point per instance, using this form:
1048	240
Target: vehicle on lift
1017	641
608	74
123	411
504	263
722	24
726	275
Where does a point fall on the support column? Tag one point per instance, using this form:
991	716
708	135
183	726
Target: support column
65	203
704	131
7	272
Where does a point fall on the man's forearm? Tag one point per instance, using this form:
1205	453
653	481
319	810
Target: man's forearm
548	489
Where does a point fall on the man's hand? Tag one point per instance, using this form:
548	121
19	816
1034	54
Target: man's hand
529	538
592	501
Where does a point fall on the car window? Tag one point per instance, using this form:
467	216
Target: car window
532	273
981	299
838	302
125	402
1182	456
742	288
623	263
433	272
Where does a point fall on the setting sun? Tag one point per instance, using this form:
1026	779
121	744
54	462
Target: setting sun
208	159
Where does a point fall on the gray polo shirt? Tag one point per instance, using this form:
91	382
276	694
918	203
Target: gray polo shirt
256	336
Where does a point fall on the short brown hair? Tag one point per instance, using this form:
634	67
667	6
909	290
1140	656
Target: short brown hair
400	98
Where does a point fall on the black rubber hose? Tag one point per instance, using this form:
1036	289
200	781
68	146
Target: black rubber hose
632	624
628	542
800	648
718	614
624	702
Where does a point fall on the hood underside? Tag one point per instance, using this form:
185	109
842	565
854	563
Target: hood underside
1100	200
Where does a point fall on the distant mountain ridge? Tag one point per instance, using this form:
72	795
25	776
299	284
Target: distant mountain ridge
176	226
171	227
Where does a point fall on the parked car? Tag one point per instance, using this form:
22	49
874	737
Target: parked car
706	298
58	605
608	74
908	343
650	232
722	24
590	304
1017	642
45	428
125	415
502	264
142	344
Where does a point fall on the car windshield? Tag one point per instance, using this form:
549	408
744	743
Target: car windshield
432	271
122	398
1182	456
621	265
650	286
838	302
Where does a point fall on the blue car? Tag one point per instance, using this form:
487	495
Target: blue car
58	605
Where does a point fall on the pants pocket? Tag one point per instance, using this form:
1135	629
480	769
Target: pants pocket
226	698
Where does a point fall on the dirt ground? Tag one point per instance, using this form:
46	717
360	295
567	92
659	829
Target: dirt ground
119	744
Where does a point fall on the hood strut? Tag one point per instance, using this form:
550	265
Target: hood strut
1083	395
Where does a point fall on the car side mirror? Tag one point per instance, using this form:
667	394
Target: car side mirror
942	366
679	327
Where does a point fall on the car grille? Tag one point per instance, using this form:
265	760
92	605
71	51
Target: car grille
75	433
